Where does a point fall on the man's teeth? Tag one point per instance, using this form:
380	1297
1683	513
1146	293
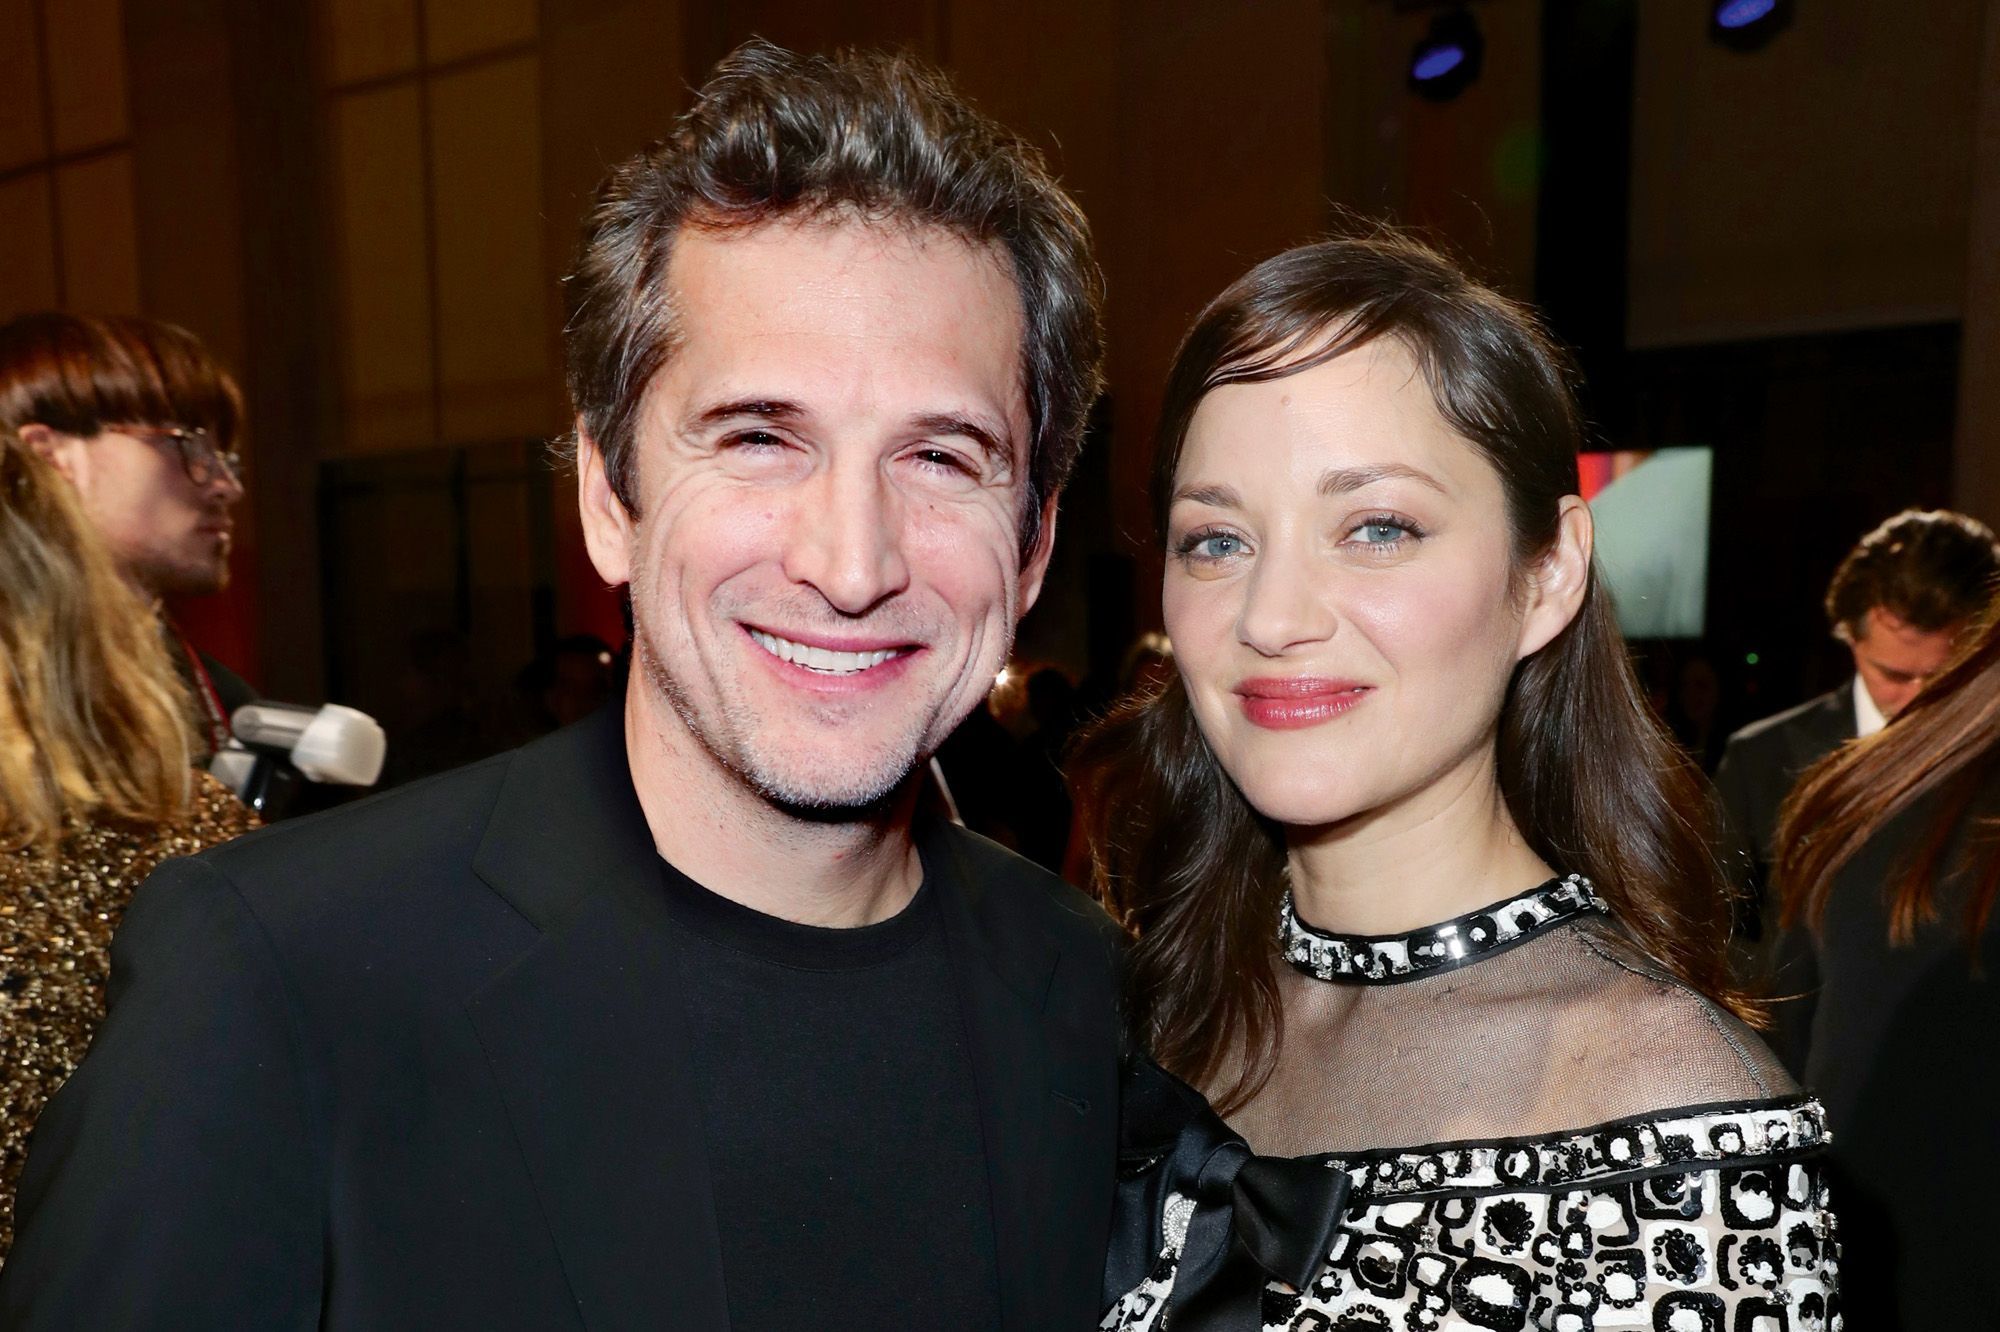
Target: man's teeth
824	660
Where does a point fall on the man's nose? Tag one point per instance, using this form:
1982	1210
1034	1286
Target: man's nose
225	484
847	542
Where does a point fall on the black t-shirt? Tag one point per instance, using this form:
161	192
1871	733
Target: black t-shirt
842	1126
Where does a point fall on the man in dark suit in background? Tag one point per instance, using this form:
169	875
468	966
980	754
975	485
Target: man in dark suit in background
678	1018
1899	601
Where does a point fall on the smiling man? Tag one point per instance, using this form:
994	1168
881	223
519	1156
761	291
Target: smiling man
679	1018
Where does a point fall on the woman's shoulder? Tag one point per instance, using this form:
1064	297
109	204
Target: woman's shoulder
1658	1042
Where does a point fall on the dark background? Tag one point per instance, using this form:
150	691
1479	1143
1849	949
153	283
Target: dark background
1790	254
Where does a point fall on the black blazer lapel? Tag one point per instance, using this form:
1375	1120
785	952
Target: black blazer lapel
1047	1094
586	1039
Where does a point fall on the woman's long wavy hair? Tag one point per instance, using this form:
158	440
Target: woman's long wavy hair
1592	779
92	716
1947	741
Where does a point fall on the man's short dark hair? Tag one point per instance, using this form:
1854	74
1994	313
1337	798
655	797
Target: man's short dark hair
1931	569
777	135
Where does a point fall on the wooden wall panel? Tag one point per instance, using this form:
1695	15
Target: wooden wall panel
100	241
23	135
28	259
367	39
493	294
86	73
455	29
381	234
1820	183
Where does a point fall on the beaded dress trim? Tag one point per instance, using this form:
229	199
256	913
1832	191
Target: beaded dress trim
1669	1144
1387	958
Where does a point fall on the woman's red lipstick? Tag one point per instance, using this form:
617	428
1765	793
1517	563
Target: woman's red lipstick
1287	703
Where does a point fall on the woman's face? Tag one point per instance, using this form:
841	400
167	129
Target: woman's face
1340	589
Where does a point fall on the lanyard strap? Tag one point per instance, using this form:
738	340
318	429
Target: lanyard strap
205	693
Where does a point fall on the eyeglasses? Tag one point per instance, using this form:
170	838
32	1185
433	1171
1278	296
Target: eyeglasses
200	459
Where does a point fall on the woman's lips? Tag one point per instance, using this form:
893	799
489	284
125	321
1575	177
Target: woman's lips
1288	703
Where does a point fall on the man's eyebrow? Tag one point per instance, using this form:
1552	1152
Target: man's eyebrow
765	409
992	439
1215	496
1342	480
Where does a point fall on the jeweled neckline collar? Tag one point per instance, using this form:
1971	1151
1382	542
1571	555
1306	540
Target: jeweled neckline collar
1460	941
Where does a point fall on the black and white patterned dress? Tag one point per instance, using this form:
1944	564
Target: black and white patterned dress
1709	1215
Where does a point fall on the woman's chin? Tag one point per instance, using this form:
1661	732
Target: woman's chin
1288	806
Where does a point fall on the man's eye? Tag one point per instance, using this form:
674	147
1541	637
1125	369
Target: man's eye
945	459
756	439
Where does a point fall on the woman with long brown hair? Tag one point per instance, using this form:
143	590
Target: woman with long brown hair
1889	868
95	784
1421	898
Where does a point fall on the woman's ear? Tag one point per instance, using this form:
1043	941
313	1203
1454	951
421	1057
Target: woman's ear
607	525
1558	580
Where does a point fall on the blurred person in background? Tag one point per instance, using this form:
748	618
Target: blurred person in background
1888	870
143	421
95	785
1899	601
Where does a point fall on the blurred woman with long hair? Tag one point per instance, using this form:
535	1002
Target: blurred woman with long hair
95	784
1421	896
1889	867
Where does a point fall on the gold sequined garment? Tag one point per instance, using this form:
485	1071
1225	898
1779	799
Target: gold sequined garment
57	914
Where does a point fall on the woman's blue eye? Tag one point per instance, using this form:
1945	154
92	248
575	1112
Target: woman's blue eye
1383	532
1217	546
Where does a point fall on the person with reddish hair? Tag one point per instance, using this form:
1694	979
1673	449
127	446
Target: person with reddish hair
144	422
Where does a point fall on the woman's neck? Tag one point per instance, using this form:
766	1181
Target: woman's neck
1440	852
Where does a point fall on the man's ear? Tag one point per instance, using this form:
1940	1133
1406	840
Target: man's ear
61	451
607	526
1559	579
1036	566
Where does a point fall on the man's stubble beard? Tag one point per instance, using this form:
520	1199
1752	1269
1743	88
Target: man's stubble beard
730	740
168	577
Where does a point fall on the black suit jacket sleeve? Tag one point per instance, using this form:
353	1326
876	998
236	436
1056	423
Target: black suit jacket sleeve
170	1183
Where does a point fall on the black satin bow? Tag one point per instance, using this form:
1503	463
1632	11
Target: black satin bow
1256	1218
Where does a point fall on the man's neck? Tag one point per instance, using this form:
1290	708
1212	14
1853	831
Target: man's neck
714	829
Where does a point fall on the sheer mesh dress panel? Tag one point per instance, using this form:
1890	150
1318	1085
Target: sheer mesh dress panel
1544	1129
1566	1029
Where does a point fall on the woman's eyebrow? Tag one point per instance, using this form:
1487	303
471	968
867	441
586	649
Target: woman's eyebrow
1215	496
1342	480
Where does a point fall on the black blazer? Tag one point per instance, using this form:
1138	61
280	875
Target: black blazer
413	1064
1759	767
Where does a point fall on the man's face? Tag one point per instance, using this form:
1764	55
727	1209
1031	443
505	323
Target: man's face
1893	657
167	534
831	471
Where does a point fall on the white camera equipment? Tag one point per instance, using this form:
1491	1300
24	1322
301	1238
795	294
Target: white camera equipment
274	744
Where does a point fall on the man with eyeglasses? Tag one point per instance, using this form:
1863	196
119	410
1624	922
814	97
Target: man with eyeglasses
142	419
